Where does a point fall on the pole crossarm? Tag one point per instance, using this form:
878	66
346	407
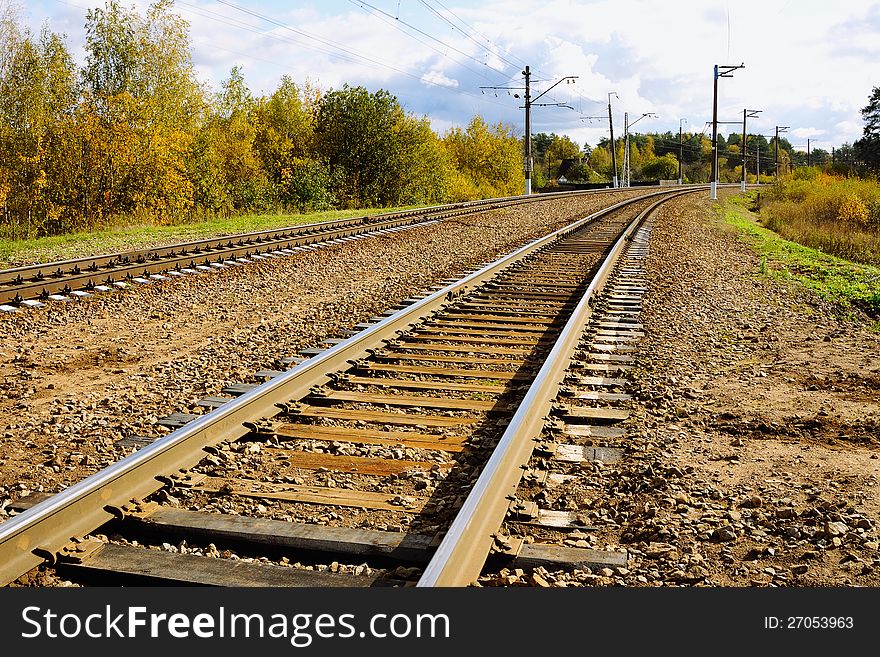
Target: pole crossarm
727	71
559	81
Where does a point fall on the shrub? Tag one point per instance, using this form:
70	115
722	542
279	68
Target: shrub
853	210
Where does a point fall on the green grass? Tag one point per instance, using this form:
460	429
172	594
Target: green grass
113	240
850	285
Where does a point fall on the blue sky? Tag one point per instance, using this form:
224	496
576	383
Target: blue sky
809	64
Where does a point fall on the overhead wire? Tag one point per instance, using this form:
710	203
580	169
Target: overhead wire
329	47
397	22
474	30
468	36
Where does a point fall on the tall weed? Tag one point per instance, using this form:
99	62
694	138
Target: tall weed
837	215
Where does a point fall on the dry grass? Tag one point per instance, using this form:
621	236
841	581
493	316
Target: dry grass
840	216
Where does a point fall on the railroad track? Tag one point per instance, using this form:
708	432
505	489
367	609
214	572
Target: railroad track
33	285
398	448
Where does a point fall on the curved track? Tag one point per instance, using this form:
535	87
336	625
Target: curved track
420	423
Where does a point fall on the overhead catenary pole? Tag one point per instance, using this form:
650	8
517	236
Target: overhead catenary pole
779	128
746	113
725	72
680	149
758	164
613	149
743	147
527	159
627	178
625	149
528	104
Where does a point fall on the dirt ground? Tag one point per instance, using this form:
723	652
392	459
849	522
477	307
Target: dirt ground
769	401
753	441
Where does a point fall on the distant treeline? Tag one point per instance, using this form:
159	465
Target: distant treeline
133	136
655	156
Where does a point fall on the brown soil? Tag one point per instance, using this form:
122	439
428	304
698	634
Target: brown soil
752	457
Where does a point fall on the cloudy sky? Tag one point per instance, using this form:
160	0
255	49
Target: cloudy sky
809	64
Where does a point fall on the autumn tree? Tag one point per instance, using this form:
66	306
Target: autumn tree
284	142
487	160
600	160
140	87
37	94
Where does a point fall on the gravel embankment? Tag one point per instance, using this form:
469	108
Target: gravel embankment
76	377
753	458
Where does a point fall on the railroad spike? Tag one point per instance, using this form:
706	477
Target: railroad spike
116	511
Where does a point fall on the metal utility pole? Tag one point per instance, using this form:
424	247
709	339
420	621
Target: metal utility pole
746	113
626	160
758	164
680	149
809	163
779	128
529	103
613	149
527	159
724	72
625	167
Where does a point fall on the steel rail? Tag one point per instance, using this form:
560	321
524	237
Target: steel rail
86	280
462	553
39	533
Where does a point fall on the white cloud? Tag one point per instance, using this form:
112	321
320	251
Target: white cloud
437	78
807	65
803	133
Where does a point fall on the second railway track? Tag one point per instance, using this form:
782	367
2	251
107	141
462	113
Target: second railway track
366	453
33	285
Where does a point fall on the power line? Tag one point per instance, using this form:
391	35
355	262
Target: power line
397	22
348	52
474	30
468	36
345	54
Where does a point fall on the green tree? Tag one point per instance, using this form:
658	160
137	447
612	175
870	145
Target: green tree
868	147
487	161
355	133
661	168
561	148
